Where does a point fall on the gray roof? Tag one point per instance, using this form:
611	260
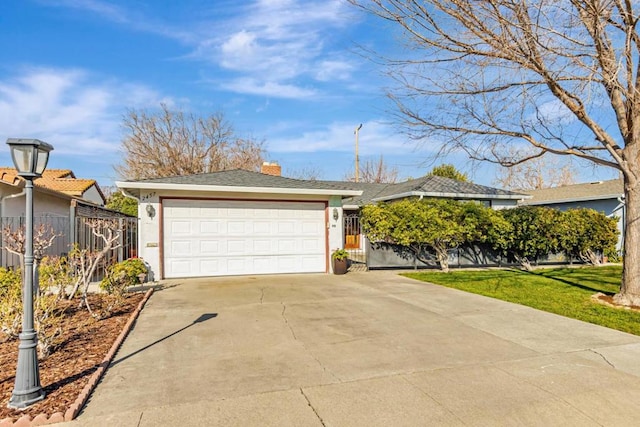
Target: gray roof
598	190
244	178
428	186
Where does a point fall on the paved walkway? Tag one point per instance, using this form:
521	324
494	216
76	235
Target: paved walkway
364	349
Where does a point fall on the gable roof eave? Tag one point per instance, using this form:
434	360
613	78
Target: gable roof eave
139	185
451	196
572	199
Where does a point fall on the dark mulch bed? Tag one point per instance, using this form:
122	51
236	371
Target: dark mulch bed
67	370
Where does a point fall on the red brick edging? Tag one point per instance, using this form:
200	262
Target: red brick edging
74	409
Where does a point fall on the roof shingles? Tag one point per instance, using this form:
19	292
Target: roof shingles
590	191
429	185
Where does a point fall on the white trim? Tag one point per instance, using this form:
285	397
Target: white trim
452	196
234	189
576	199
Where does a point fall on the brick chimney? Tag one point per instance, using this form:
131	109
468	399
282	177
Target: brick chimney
271	169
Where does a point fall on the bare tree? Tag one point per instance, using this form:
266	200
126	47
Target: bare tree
375	171
170	143
85	261
537	173
560	75
43	238
310	173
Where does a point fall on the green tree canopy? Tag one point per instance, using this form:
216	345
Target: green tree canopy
436	225
585	232
121	203
536	233
448	171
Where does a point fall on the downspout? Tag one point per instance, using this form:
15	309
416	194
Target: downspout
11	196
128	194
2	199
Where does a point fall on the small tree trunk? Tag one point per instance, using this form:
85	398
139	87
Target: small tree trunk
630	287
443	259
524	262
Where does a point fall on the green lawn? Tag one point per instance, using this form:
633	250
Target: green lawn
564	291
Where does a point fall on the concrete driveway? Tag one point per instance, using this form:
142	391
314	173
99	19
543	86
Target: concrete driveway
364	349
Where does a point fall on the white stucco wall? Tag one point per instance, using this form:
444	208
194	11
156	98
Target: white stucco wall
336	227
150	243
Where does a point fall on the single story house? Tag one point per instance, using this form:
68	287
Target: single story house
603	196
53	193
238	222
58	197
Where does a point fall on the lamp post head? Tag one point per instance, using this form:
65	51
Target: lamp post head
30	156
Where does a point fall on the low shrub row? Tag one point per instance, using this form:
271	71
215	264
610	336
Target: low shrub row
523	234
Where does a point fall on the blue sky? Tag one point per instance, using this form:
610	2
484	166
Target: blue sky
285	71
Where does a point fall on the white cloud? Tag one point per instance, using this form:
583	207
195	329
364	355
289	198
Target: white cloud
555	111
125	16
333	70
272	42
280	41
374	138
253	86
67	109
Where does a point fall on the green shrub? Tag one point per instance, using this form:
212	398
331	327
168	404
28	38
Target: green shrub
55	275
122	275
119	277
10	302
340	254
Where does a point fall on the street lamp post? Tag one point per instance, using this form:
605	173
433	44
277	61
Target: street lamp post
30	157
357	132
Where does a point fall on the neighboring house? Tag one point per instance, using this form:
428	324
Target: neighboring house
426	186
603	196
63	181
58	198
239	222
53	193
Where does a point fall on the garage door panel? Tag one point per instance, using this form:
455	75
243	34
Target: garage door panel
309	227
310	245
310	263
209	247
210	227
181	228
236	227
181	248
212	238
208	266
286	227
236	247
261	246
261	228
180	268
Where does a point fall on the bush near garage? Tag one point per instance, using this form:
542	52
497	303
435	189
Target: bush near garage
119	278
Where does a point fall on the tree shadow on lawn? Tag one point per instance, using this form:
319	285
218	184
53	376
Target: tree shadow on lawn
575	284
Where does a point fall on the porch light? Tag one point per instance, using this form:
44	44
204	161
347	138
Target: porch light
336	215
151	211
30	157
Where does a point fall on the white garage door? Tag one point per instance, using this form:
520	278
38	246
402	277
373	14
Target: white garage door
221	237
